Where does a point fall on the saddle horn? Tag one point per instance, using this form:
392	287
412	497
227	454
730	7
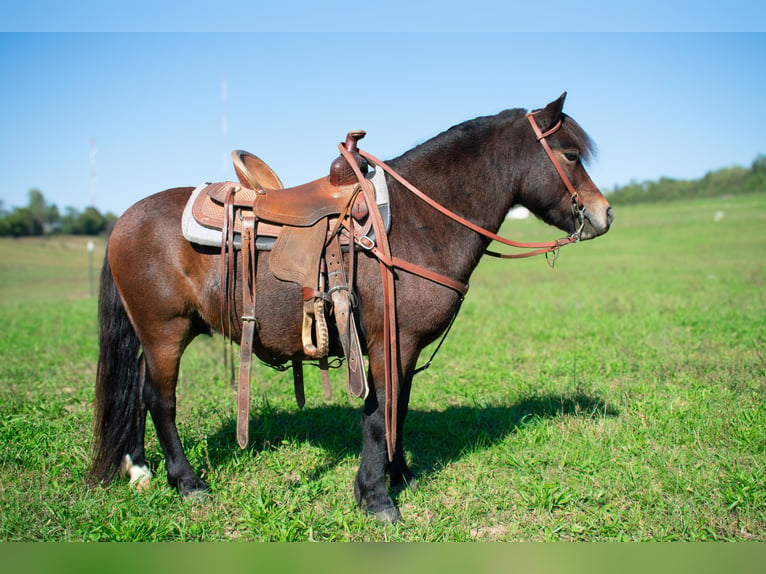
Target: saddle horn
341	172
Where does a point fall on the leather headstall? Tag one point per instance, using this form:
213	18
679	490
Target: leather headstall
577	206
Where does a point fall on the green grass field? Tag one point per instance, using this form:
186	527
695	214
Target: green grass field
619	396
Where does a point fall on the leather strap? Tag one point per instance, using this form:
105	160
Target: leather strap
397	263
356	380
390	335
324	369
248	327
324	365
300	395
227	280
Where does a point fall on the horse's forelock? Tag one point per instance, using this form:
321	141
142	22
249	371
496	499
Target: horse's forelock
587	147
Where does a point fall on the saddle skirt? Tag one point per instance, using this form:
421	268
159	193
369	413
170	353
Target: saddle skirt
200	208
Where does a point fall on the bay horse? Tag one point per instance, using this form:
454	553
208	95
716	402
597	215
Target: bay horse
159	291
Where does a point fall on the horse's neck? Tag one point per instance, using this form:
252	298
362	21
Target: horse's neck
471	189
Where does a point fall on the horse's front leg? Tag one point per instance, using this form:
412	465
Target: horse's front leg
370	484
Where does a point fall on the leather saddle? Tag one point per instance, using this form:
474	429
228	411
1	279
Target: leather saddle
307	228
300	206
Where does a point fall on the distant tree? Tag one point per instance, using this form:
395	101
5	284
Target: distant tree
757	179
45	218
730	180
39	218
20	223
3	223
70	221
91	222
727	181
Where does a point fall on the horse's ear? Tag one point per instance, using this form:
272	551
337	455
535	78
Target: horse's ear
550	114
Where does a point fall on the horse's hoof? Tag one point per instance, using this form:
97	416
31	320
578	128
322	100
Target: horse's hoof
193	489
141	481
140	476
390	515
196	495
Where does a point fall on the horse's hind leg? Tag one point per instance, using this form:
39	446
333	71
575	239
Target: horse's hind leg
163	359
134	463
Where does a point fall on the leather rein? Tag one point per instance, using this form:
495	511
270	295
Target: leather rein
380	248
545	247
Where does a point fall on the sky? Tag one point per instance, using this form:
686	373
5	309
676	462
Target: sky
103	107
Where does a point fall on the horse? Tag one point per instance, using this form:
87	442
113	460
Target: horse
159	291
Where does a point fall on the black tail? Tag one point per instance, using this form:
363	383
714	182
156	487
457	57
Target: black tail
117	383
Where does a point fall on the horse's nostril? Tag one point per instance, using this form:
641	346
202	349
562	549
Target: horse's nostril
609	216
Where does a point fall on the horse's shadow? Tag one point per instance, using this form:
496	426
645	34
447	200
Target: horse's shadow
434	438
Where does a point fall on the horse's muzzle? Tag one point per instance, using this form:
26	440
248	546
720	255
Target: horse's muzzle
597	222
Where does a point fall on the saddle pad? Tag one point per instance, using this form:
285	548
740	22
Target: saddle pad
196	233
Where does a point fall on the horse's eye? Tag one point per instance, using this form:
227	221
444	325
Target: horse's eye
572	156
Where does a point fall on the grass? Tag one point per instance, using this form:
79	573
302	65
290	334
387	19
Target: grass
620	396
53	268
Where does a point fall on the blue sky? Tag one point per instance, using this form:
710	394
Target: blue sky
674	104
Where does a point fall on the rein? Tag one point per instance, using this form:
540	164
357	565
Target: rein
546	247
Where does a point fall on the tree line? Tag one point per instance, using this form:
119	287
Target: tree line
41	218
735	180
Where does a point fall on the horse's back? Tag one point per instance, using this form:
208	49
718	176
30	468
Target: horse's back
149	232
153	213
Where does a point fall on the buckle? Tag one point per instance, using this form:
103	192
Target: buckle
366	243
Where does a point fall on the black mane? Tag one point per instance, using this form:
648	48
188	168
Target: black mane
463	135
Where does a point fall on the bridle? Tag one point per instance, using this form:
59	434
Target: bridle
388	262
578	209
541	138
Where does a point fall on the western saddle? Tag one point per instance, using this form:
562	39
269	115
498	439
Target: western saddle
307	228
